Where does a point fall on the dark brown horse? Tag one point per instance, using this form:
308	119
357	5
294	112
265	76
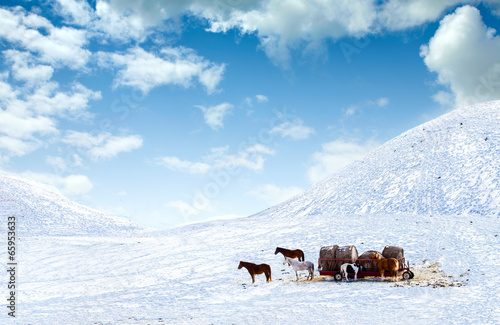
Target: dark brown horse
389	264
256	269
296	253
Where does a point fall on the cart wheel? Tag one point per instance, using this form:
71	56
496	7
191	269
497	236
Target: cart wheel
337	276
407	275
412	274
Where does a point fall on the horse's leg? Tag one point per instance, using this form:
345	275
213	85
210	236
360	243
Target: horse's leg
297	275
253	277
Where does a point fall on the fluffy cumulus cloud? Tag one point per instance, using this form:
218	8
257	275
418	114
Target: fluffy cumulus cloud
281	25
171	66
104	145
250	158
77	12
402	14
336	155
214	115
29	115
465	54
58	46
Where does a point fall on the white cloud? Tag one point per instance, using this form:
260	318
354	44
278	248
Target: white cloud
272	194
115	145
174	163
214	115
76	12
62	46
28	115
402	14
47	100
69	185
261	98
336	155
353	109
58	163
21	124
381	102
251	158
25	69
285	25
173	66
103	145
294	129
464	54
16	147
282	26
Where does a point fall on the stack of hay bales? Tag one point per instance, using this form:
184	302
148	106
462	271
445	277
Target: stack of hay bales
338	255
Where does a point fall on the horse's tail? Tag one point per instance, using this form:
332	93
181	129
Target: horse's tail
312	273
303	258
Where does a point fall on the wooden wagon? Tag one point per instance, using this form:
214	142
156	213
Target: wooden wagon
332	257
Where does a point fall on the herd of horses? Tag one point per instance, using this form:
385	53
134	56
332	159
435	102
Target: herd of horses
383	264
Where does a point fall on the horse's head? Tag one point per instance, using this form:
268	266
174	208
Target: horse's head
241	265
287	261
277	250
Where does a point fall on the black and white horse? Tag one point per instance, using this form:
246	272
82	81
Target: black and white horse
350	268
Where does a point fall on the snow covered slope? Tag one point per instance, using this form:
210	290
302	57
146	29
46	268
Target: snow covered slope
450	165
41	210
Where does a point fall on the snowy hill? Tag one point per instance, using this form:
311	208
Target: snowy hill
450	165
433	191
42	210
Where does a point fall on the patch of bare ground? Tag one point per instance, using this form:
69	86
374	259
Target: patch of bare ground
428	274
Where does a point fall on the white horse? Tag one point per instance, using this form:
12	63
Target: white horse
300	266
355	267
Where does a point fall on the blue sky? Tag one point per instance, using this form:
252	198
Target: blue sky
170	112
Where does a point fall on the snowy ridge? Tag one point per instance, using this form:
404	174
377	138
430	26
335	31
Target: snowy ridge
41	210
449	165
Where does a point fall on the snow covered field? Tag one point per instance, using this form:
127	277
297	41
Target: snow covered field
190	275
433	191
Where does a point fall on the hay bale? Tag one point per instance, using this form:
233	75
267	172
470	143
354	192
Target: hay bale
365	260
345	254
393	252
327	252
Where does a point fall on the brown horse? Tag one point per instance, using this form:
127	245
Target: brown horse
389	264
296	253
256	269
